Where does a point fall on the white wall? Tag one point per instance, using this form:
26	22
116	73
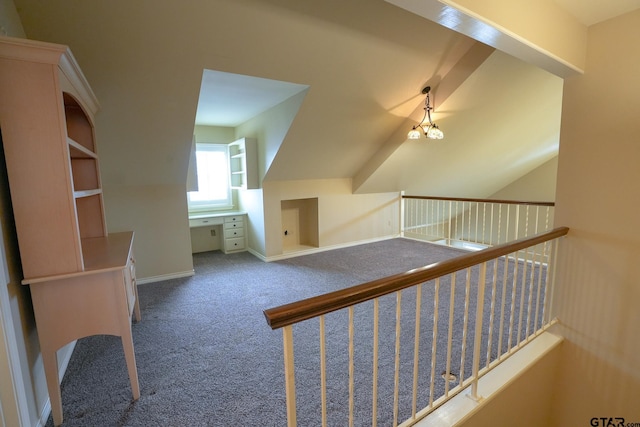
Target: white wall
598	296
252	202
214	134
269	129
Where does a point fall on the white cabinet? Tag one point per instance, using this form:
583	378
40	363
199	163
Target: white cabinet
243	164
231	226
234	236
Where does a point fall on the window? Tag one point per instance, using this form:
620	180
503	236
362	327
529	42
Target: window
212	168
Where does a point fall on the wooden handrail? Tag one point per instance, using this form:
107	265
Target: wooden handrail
298	311
464	199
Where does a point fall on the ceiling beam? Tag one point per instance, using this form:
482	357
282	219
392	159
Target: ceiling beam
545	35
469	62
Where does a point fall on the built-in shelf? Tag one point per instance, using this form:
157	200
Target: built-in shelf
243	164
299	224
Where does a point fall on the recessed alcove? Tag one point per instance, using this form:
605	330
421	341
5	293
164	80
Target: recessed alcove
299	224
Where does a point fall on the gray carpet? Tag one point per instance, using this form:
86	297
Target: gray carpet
206	356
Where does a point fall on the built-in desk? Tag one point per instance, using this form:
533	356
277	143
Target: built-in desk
231	226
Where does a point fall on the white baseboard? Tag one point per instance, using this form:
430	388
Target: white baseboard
321	249
257	254
160	278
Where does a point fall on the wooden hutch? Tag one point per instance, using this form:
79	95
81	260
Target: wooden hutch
82	279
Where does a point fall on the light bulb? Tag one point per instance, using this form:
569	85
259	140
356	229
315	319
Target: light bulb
415	133
434	133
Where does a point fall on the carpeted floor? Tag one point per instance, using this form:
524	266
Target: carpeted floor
206	356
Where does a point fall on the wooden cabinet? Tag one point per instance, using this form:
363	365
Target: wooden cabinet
47	110
82	279
243	164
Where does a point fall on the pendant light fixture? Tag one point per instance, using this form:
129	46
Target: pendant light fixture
429	129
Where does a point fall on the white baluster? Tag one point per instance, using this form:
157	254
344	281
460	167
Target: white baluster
416	351
478	333
465	324
323	371
452	298
351	364
434	340
289	375
396	381
376	322
492	309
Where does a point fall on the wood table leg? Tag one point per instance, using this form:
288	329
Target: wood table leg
130	357
50	362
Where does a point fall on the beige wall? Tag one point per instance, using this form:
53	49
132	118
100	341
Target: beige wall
474	160
158	215
270	129
524	402
10	24
343	217
539	185
598	297
214	134
252	202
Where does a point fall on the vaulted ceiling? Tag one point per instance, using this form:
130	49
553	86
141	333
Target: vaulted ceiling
364	62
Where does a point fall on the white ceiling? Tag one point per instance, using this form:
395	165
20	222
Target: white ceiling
364	71
590	12
228	99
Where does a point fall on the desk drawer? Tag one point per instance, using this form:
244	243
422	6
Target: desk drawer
235	244
233	232
203	222
234	219
234	224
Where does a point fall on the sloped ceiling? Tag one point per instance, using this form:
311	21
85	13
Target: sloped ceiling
591	12
365	62
499	125
229	100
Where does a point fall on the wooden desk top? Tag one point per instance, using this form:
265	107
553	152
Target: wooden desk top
100	254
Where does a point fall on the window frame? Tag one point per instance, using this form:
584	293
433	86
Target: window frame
212	204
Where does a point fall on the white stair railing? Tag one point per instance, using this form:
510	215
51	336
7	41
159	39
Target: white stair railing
416	339
473	223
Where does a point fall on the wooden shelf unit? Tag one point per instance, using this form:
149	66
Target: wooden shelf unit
82	278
